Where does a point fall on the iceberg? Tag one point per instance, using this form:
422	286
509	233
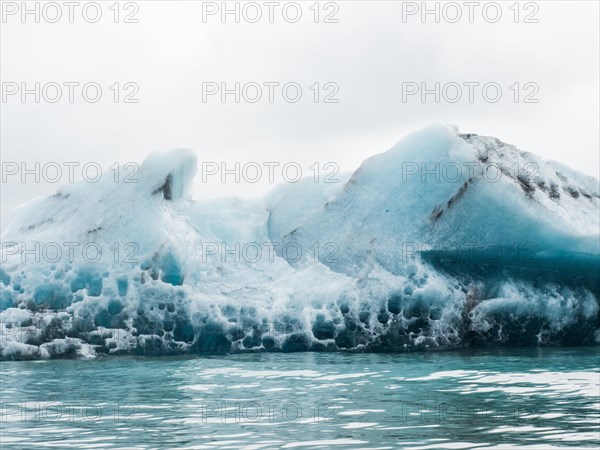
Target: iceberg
445	241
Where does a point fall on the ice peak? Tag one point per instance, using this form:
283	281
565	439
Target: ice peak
170	173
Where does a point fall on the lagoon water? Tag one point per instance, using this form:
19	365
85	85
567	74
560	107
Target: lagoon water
538	398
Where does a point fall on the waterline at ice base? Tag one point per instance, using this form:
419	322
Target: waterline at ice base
445	241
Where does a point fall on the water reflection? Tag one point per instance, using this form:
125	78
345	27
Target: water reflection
525	398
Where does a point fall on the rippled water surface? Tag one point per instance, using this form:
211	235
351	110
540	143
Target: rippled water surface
501	399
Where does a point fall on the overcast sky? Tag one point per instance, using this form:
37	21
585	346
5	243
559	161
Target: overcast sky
366	56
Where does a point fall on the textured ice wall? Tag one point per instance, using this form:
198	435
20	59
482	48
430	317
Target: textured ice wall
444	241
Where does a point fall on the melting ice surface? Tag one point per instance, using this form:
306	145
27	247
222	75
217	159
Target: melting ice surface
445	241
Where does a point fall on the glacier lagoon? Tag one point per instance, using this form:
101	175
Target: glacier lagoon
444	295
532	398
